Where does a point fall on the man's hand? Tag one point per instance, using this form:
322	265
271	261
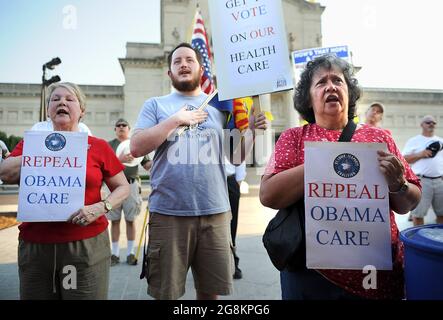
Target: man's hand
148	165
426	154
186	117
125	158
258	122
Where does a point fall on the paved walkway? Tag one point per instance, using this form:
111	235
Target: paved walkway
260	279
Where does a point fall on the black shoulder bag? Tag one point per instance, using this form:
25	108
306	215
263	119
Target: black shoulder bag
284	237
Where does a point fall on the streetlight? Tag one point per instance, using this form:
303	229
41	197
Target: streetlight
51	64
46	82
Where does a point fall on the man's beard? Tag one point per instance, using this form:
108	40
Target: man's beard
186	86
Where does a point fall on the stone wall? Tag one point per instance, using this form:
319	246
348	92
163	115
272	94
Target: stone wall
145	69
20	107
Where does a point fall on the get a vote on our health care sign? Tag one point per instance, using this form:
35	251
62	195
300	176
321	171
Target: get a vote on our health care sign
346	207
53	175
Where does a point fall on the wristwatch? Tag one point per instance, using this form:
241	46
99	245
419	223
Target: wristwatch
108	205
404	187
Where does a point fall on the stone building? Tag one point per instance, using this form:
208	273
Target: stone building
145	72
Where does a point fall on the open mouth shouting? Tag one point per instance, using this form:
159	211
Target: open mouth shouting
184	72
332	98
62	111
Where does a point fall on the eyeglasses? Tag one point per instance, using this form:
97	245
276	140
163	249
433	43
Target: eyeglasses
121	125
430	122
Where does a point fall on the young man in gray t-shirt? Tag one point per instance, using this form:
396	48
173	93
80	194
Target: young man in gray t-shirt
189	206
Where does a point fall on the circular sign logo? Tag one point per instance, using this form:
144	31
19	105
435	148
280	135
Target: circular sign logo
55	142
346	165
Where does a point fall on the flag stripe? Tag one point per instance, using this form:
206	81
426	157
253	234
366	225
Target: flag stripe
200	42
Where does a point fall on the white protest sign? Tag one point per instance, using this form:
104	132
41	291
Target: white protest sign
53	175
250	47
346	207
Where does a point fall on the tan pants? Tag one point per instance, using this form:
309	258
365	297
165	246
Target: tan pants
177	243
73	270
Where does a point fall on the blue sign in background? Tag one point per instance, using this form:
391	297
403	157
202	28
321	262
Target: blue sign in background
306	55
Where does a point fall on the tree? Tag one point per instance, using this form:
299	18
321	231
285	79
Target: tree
13	140
10	141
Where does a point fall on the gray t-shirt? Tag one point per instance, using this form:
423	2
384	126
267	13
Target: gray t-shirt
187	176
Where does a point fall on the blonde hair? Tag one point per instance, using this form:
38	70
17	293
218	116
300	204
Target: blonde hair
71	87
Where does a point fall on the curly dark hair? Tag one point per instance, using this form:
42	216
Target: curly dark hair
302	97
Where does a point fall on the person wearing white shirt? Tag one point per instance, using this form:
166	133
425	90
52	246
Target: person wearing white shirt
48	126
235	175
4	150
5	153
422	152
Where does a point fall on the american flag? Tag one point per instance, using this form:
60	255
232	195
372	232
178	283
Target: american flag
200	42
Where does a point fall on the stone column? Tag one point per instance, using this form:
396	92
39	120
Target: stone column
293	118
263	146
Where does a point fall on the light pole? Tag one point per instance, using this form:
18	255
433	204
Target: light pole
46	82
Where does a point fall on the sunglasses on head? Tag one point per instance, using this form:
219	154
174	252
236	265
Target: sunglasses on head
430	122
121	125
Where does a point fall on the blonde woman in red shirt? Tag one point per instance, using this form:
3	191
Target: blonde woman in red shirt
82	243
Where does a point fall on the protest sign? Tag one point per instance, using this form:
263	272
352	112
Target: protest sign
347	207
53	175
250	47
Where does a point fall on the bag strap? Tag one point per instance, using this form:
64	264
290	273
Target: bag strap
348	131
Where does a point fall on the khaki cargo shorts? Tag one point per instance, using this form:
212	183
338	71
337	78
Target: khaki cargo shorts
431	194
177	243
131	206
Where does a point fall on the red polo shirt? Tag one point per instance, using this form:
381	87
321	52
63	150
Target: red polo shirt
101	163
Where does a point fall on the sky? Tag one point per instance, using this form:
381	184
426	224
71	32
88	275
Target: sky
88	35
394	41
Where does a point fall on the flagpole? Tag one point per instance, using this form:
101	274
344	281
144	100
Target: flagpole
263	138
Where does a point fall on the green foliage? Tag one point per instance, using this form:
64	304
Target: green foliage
145	178
13	140
3	137
10	141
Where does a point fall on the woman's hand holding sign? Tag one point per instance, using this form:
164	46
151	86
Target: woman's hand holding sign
392	169
87	214
403	196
